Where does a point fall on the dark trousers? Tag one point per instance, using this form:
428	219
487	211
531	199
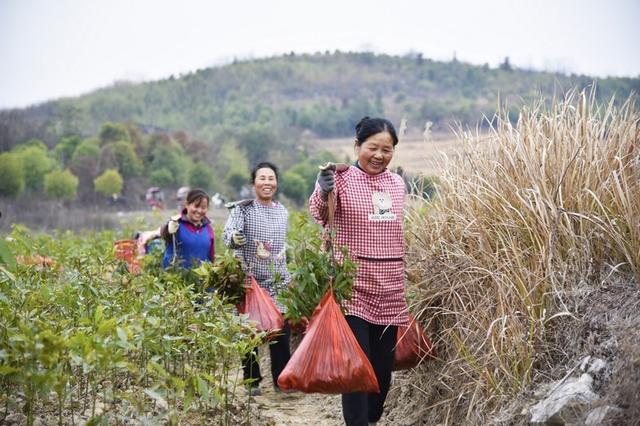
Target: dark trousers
378	343
279	348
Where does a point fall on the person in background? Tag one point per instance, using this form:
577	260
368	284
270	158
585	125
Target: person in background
369	222
257	230
181	196
189	237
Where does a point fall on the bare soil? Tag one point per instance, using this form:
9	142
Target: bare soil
295	408
273	408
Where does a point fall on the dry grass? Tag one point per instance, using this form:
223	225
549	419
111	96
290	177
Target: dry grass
523	216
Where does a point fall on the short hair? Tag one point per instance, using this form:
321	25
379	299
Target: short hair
368	127
263	165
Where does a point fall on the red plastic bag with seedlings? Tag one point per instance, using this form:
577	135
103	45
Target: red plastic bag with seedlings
261	309
412	346
329	358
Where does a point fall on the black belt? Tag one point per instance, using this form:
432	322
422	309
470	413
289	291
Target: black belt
381	259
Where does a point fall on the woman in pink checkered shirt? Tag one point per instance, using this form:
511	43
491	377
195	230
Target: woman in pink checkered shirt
369	221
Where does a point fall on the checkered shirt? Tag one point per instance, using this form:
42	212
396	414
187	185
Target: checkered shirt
265	228
377	246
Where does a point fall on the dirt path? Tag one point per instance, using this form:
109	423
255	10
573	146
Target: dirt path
298	409
292	409
273	408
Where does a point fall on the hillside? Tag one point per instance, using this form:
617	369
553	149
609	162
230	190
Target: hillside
208	128
324	93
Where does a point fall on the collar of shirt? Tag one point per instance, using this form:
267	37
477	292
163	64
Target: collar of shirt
184	218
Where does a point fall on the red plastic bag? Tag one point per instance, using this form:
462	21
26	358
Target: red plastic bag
412	346
126	250
261	309
329	358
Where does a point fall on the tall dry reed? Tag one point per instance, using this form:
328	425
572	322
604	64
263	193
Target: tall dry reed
526	214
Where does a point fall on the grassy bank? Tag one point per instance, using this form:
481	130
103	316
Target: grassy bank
527	221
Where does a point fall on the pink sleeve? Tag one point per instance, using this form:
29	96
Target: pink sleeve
318	206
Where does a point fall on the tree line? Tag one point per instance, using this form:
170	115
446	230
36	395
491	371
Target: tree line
322	93
121	161
206	128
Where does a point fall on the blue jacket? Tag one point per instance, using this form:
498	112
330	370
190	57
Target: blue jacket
194	244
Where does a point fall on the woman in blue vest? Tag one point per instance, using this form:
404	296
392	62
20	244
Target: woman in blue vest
189	237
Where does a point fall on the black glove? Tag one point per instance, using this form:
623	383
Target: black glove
327	181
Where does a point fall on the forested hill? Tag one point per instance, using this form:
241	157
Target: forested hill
322	93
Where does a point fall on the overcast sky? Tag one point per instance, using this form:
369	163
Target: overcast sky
55	48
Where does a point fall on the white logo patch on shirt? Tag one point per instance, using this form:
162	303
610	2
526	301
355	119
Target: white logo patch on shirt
263	249
381	207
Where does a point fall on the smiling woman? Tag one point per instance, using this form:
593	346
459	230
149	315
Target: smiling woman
369	202
257	230
375	155
265	184
189	237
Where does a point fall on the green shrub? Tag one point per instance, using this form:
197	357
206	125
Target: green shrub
108	183
35	164
61	184
313	269
161	177
78	329
201	176
293	186
11	175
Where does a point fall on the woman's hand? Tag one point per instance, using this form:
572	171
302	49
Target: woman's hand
327	181
173	225
238	238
